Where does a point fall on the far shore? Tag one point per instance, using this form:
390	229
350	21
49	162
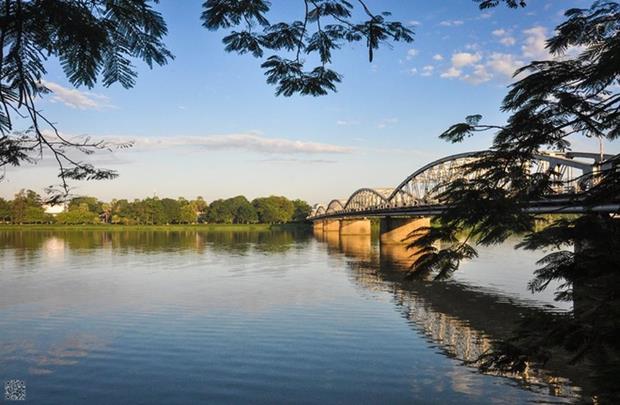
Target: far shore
170	227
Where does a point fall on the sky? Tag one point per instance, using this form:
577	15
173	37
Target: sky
207	124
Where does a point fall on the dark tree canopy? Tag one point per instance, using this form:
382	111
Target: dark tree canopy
93	40
99	41
556	100
324	26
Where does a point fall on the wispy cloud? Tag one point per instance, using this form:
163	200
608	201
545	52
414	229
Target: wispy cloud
387	122
504	37
451	23
346	123
534	47
295	160
74	98
412	53
244	141
461	59
481	66
427	70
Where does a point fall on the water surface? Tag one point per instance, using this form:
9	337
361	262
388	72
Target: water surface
262	317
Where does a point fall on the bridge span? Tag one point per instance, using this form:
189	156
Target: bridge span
411	204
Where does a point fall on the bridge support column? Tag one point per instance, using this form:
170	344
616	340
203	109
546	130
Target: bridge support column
398	230
355	227
331	225
317	226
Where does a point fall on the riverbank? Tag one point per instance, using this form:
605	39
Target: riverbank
171	227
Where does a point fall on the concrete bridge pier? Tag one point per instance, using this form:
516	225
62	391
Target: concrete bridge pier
398	230
355	227
317	226
331	225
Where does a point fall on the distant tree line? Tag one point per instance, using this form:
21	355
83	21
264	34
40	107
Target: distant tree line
27	208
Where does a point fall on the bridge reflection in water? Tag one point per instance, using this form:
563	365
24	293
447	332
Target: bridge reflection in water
460	320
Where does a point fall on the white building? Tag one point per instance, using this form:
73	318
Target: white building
54	209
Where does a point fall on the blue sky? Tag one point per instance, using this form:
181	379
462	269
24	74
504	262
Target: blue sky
207	123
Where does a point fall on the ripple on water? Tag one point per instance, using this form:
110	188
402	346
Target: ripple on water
269	318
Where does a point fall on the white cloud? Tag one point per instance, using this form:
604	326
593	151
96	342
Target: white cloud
413	71
451	23
485	16
451	73
414	23
535	42
505	38
479	75
461	59
437	56
508	41
74	98
427	70
345	123
242	141
411	53
504	63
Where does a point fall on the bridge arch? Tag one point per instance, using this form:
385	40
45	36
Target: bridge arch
422	186
365	198
335	206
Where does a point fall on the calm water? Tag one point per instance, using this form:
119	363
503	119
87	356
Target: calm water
263	317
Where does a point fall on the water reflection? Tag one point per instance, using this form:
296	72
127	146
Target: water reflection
230	316
24	244
462	321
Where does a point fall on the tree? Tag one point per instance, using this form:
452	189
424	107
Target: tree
220	213
325	26
301	210
92	203
98	40
188	214
172	210
78	215
556	99
92	40
24	206
5	210
243	212
273	209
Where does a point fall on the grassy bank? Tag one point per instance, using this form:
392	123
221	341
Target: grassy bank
174	227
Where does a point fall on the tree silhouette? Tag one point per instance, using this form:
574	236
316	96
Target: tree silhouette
324	27
97	40
575	94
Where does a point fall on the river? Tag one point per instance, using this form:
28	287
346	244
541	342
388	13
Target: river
257	316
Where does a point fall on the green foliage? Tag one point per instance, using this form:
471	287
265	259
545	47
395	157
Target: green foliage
243	212
301	210
274	209
92	204
27	208
5	210
555	101
326	26
93	40
78	215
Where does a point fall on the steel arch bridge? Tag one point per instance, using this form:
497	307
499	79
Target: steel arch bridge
417	194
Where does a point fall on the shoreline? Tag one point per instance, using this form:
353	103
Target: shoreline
171	227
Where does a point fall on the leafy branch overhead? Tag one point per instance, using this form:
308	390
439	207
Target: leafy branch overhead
556	101
94	40
324	27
